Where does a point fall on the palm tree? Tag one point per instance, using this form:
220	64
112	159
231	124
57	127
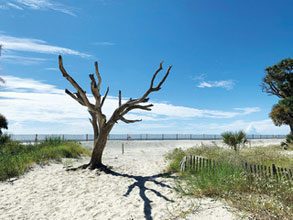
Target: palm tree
234	140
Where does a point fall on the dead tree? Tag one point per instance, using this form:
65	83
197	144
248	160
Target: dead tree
102	126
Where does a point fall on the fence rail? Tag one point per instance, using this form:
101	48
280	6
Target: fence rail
197	163
90	137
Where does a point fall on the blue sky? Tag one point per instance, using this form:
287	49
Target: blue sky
218	49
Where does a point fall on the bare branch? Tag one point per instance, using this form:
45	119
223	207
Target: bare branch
141	107
104	98
164	78
153	88
74	84
120	98
127	121
95	91
74	97
155	75
98	75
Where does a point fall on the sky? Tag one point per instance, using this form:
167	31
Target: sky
218	51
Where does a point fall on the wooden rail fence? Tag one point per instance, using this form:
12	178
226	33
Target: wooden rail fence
197	163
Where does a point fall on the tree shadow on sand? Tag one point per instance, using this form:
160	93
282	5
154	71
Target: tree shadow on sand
140	183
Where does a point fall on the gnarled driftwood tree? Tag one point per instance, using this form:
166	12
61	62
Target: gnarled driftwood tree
100	124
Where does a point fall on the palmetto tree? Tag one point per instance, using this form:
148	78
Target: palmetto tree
234	139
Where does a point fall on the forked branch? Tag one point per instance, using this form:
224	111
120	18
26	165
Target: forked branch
132	104
79	90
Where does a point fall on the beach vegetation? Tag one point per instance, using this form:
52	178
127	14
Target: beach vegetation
17	158
259	197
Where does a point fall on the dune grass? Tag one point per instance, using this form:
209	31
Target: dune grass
16	159
264	198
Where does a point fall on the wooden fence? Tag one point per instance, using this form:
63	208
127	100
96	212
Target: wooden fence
197	163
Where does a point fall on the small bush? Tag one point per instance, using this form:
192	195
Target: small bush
4	138
175	157
289	138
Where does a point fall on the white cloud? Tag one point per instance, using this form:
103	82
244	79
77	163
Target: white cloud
187	112
24	101
10	43
38	5
265	126
225	84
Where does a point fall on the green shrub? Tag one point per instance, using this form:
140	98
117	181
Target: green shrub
4	138
289	138
175	157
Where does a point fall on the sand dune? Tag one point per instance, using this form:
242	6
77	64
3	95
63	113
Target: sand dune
135	189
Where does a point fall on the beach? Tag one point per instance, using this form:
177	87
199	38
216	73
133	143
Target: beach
136	188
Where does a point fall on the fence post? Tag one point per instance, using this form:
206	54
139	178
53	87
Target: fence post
63	137
274	170
176	136
162	136
122	148
36	138
86	137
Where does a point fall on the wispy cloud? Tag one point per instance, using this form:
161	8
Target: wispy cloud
25	101
38	5
11	43
225	84
52	69
203	83
14	6
26	85
104	43
23	60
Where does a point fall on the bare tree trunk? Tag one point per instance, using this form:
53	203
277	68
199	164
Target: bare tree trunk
99	146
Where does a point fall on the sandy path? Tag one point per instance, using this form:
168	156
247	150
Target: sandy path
134	190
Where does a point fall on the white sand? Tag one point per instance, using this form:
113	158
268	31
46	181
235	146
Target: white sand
132	191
